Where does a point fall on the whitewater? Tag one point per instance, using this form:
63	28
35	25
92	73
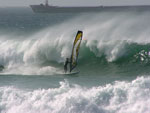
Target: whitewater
114	62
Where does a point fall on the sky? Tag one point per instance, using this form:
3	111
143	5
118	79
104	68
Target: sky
4	3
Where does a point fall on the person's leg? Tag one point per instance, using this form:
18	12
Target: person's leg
65	69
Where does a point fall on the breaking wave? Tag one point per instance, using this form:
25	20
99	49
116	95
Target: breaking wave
46	56
109	38
119	97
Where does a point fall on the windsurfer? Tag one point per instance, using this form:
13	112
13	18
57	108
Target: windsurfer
66	64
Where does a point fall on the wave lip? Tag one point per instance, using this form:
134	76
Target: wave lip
120	97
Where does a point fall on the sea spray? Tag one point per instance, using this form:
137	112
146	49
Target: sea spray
109	37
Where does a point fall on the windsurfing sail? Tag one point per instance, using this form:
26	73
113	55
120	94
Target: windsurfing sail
75	50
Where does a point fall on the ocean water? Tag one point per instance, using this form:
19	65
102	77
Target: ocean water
114	62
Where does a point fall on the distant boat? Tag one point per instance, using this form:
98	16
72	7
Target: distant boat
46	8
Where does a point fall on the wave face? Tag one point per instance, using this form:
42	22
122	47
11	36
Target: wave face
110	38
120	97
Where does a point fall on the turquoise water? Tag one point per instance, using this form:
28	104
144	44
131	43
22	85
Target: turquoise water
113	62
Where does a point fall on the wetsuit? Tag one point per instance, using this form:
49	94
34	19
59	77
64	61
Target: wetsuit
65	65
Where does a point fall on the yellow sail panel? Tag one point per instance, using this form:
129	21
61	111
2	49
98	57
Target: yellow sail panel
78	37
75	50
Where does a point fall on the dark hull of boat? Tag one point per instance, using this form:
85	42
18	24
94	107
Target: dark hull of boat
56	9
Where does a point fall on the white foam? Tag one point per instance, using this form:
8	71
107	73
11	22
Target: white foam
120	97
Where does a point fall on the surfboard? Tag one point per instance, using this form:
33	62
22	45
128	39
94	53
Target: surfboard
70	73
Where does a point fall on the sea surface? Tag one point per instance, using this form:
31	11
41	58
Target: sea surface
114	62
